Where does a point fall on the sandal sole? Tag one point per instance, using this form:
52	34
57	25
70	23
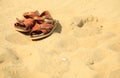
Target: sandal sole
22	30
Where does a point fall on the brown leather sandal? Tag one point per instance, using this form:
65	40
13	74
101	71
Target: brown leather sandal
43	17
43	30
31	14
24	25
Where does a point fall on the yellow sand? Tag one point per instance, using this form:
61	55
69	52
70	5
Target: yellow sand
86	43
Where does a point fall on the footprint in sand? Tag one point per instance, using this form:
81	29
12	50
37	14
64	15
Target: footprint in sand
115	46
87	26
9	63
7	56
17	38
53	65
97	57
115	74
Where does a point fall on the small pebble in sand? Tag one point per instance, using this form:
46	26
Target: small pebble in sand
64	59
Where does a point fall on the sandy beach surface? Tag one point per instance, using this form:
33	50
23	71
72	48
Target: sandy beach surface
86	43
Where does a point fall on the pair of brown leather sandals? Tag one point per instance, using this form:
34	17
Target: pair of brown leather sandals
37	25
